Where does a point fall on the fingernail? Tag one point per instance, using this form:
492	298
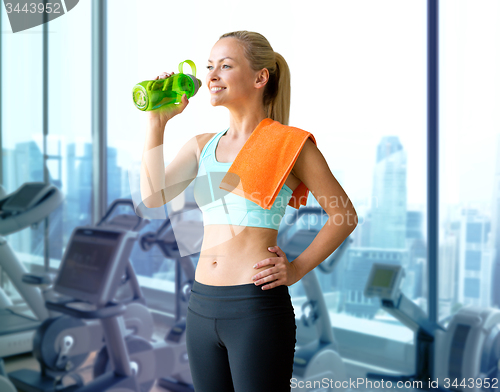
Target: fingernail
270	248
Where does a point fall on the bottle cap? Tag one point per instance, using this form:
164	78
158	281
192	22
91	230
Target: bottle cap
140	97
196	82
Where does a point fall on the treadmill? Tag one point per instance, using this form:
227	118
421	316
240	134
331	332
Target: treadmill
28	205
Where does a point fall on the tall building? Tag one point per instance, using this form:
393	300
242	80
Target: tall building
79	185
414	225
27	165
475	260
495	230
10	179
447	272
388	212
417	249
114	176
362	237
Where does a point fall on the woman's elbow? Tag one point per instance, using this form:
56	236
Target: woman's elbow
351	220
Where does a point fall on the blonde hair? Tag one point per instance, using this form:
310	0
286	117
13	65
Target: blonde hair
260	54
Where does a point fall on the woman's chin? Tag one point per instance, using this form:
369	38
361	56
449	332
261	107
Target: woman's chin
215	102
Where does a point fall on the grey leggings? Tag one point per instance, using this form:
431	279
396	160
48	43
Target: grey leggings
240	338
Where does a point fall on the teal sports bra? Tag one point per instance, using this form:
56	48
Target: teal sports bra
220	207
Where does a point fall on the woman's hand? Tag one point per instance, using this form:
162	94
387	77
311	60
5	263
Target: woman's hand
166	112
282	273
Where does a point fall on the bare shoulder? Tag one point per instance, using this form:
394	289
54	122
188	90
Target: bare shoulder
304	158
199	142
194	146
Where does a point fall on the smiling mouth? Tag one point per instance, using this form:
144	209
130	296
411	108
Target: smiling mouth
217	89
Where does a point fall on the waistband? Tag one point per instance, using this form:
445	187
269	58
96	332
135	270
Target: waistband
239	301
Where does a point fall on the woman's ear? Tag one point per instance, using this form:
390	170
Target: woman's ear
262	78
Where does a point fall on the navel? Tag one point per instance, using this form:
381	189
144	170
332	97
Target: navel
214	263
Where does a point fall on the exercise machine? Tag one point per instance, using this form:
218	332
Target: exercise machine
94	258
384	282
467	355
111	366
5	384
179	379
164	238
317	364
178	227
62	344
27	206
464	356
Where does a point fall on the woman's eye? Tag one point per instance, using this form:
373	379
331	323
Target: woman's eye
225	65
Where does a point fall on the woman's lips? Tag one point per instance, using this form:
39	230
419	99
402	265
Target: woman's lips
215	90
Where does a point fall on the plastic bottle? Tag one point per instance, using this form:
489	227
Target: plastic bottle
151	94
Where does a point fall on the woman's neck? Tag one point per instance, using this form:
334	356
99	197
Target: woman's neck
241	126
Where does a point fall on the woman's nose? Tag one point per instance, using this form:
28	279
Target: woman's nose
212	75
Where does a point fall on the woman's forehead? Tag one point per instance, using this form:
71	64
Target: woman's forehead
226	48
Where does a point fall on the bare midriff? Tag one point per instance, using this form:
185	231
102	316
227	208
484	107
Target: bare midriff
228	253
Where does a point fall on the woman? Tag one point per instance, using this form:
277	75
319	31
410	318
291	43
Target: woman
240	330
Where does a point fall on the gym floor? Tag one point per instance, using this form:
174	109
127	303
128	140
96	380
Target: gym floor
27	361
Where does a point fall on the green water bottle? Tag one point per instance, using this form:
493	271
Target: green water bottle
151	94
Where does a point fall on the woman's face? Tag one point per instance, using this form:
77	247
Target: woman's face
230	79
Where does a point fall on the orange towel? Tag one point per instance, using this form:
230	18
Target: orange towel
264	163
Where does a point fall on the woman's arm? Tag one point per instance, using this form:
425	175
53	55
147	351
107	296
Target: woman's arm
154	190
312	169
152	166
160	184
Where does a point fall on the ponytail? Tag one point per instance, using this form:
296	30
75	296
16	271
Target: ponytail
279	102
